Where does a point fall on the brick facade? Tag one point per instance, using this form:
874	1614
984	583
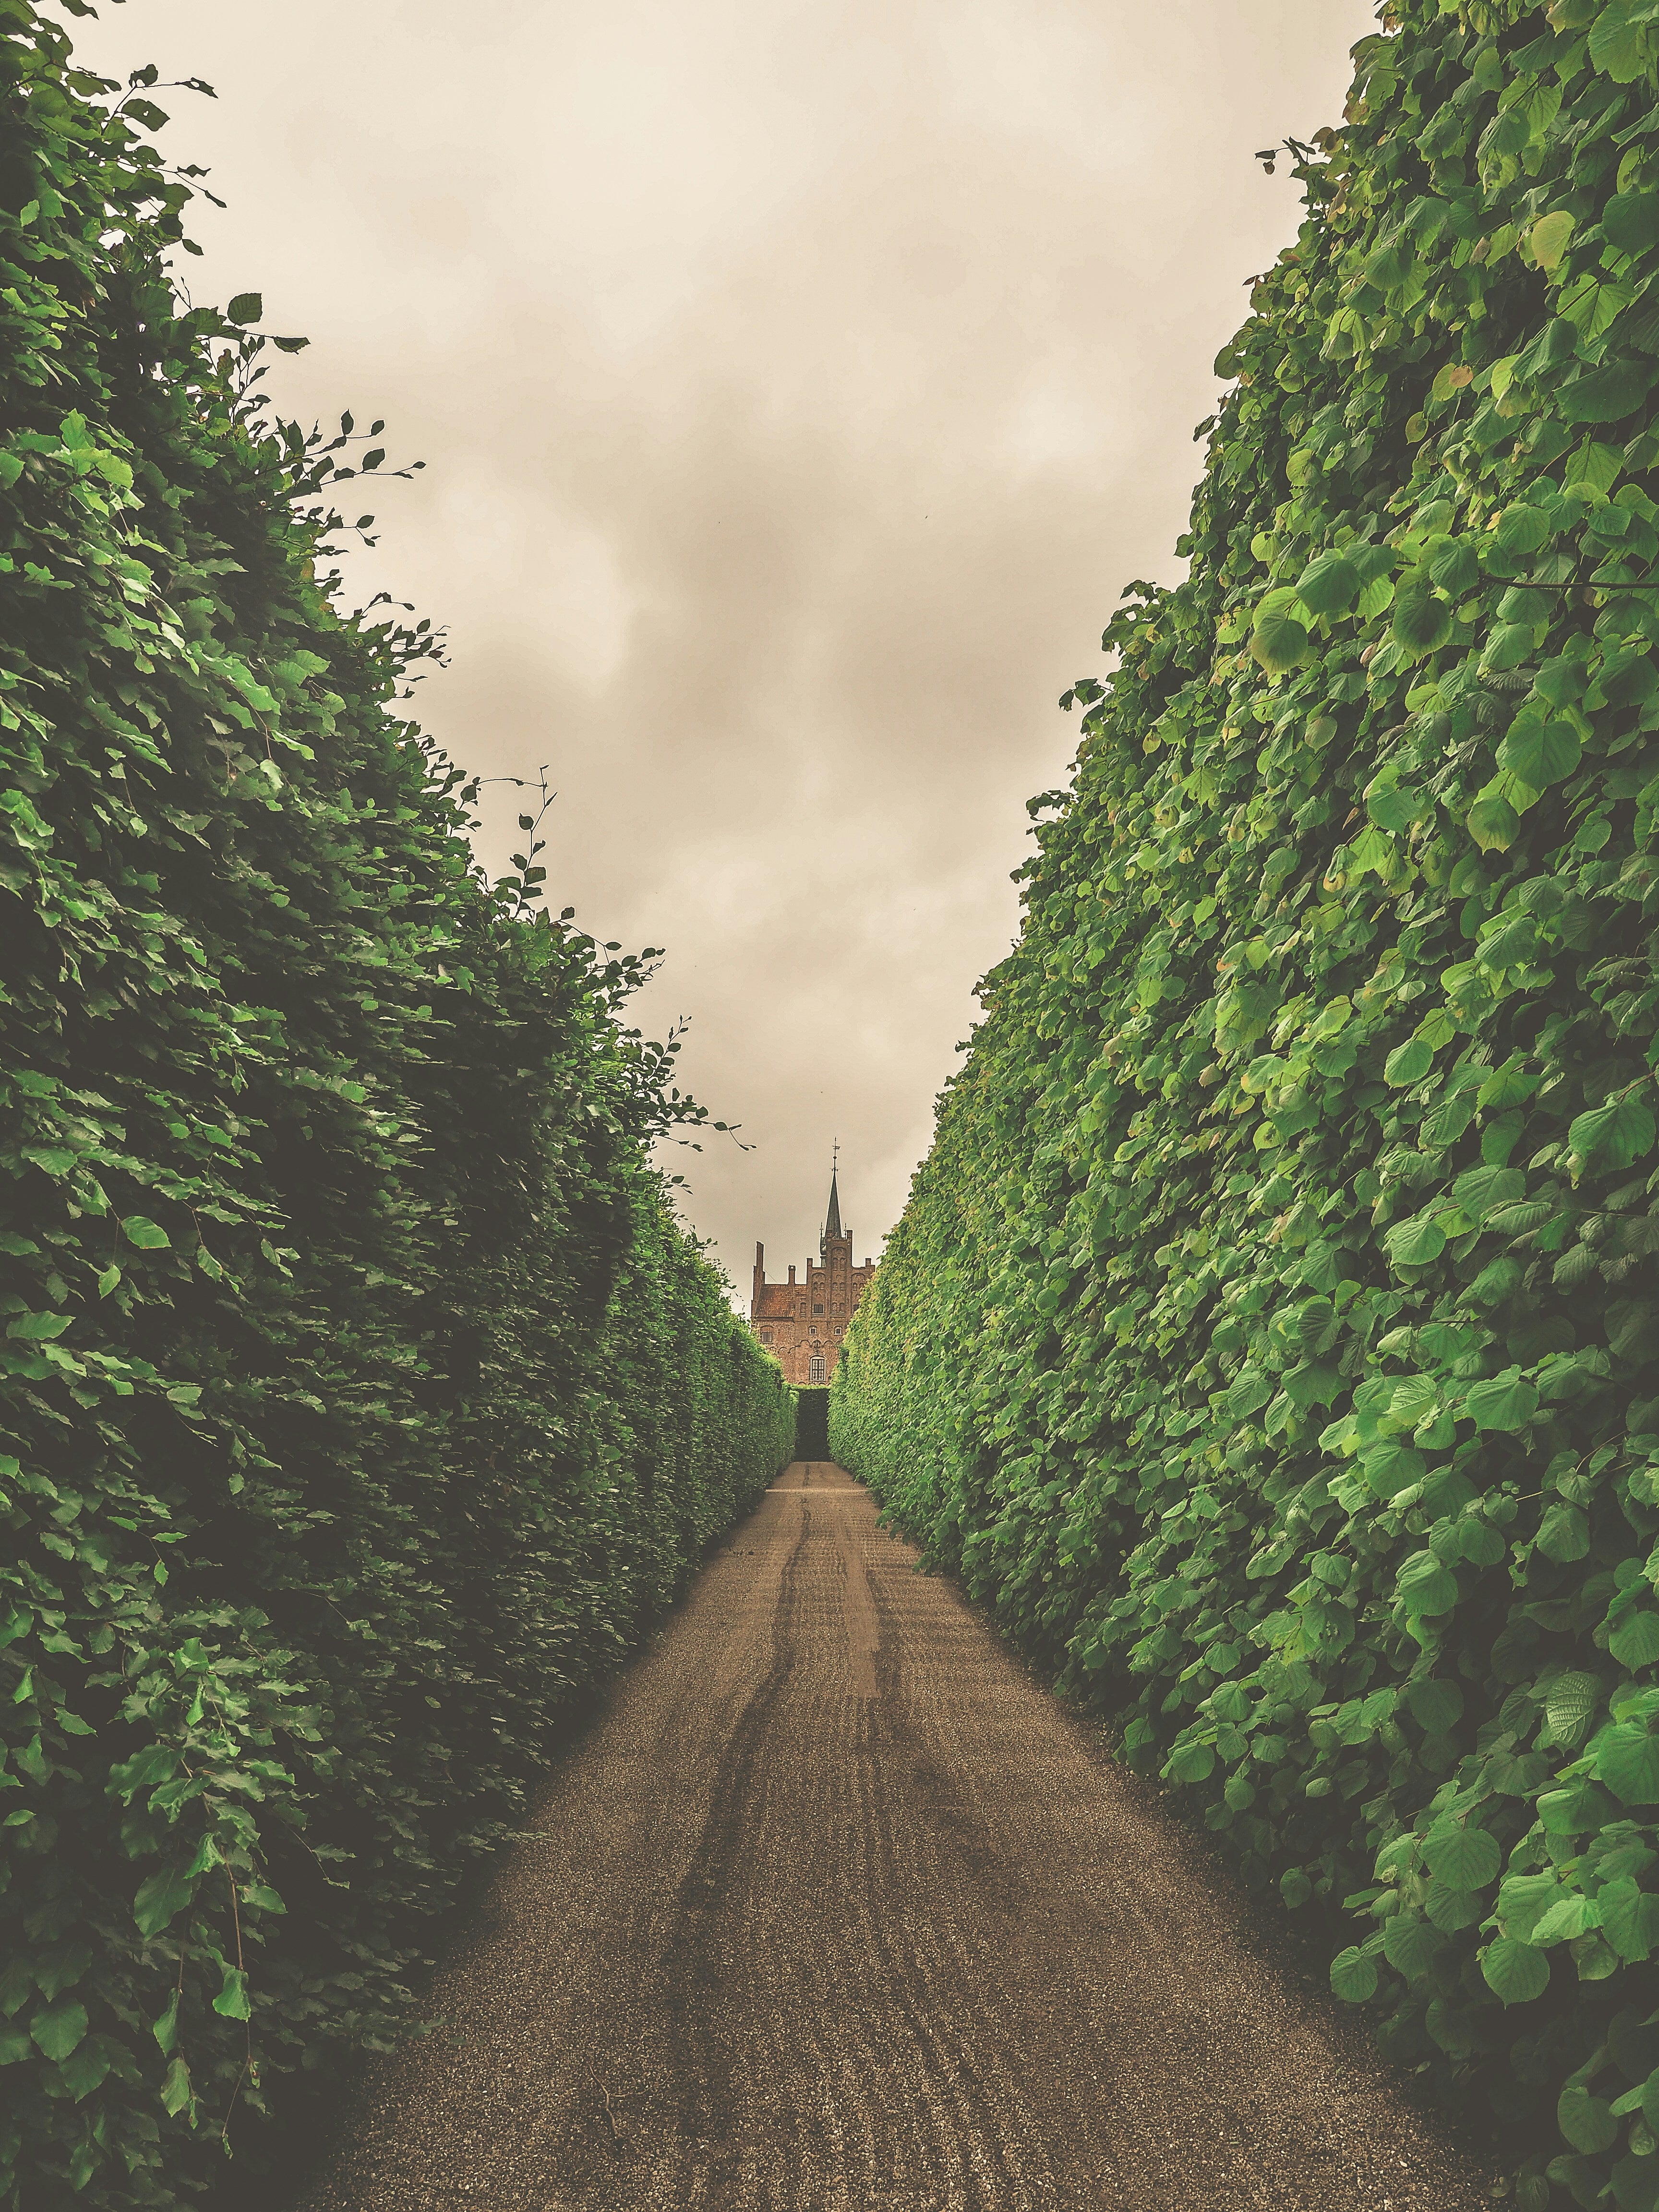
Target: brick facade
802	1324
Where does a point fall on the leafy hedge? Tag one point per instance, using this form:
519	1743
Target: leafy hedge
1271	1335
360	1397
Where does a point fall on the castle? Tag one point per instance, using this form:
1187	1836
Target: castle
802	1324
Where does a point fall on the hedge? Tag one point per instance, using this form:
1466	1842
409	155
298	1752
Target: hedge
361	1398
1272	1335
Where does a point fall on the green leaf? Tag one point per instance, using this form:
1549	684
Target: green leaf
39	1329
1436	1707
1566	1920
1411	1946
1615	1135
148	1236
1478	1191
232	2000
1541	753
1424	1587
1409	1063
166	2028
1328	584
1415	1242
245	308
1521	530
84	2070
1586	2122
1548	239
1570	1705
1493	822
1278	640
1634	1642
1515	1972
1507	1401
1630	221
1609	394
1451	1909
1627	1760
1464	1858
162	1898
1422	620
1353	1976
1563	1533
1390	1468
175	2088
58	2028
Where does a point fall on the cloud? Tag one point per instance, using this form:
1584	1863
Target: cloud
799	387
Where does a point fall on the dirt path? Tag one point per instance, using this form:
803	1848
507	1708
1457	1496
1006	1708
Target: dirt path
836	1911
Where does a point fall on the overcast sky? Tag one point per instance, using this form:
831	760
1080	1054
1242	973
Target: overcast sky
798	386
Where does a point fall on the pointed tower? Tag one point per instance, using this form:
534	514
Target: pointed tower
832	1219
803	1324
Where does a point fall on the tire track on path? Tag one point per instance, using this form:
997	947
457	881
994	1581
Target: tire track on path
834	1909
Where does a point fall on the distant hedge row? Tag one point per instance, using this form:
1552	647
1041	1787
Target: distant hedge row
1273	1334
360	1397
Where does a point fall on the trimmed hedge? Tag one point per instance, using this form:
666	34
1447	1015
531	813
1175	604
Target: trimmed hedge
1271	1335
361	1399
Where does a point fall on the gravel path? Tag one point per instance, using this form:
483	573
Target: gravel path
836	1910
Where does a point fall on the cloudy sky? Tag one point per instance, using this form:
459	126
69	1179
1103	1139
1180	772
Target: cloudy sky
799	385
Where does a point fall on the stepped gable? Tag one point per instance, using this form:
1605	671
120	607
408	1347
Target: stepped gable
802	1324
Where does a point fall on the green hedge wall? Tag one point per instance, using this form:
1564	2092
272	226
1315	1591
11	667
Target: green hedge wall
1273	1334
361	1399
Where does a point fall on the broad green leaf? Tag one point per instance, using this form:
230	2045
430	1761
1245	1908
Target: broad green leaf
1328	584
1627	1760
1548	239
1424	1587
245	308
1493	822
1634	1642
1464	1858
1586	2121
1414	1243
58	2028
1411	1946
1630	221
148	1235
1564	1532
1278	640
1521	530
1479	1190
1566	1920
1609	394
1507	1401
1353	1976
1524	1899
1392	1467
1515	1972
1451	1909
1408	1063
1541	753
1435	1706
161	1897
232	2000
1571	1706
1615	1135
176	2094
84	2069
1422	620
39	1329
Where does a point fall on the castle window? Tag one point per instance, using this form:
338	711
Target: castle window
765	1336
816	1369
811	1328
817	1308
